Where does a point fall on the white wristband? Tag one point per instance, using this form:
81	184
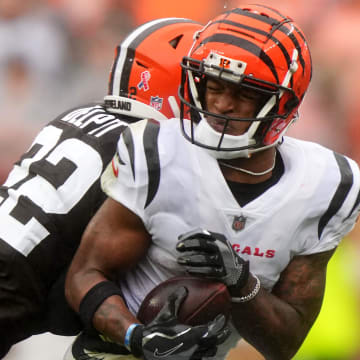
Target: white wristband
249	296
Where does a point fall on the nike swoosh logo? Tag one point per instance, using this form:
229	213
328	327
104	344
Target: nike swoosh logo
167	352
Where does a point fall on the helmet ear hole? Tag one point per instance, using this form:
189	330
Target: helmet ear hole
141	64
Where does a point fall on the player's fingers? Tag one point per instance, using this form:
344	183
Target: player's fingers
197	244
172	305
200	260
205	271
180	295
216	326
196	234
217	332
218	329
223	335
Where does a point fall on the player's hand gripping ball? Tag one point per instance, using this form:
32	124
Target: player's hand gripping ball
205	300
166	336
210	255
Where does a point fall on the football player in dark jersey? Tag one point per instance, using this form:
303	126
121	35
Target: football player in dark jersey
54	189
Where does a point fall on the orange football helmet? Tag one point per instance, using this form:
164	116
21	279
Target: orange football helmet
145	75
257	48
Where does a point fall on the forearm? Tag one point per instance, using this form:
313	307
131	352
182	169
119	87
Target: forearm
275	328
79	280
112	317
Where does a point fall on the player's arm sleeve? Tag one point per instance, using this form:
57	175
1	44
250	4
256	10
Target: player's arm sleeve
125	179
341	215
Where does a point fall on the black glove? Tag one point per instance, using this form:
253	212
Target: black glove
211	255
164	337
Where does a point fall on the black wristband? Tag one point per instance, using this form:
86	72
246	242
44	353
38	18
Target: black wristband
136	341
93	299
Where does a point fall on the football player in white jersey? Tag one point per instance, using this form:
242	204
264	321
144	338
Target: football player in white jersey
54	189
228	197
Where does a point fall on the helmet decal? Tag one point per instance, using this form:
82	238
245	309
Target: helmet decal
141	76
144	83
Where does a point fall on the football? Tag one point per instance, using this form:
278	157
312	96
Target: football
205	300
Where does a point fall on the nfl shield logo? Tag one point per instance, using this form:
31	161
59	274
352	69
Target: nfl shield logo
239	223
156	102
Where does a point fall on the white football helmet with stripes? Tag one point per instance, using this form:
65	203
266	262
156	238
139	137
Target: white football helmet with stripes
146	72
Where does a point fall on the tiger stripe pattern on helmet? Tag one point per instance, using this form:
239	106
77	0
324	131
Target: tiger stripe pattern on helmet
264	51
279	23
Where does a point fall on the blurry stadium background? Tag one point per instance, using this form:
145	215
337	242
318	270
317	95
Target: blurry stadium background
55	54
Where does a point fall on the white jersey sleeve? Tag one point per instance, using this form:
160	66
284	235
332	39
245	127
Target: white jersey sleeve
339	187
134	173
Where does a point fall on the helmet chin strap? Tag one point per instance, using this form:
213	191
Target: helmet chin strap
267	171
205	134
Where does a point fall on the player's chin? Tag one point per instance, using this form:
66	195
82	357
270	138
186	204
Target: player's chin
232	127
217	124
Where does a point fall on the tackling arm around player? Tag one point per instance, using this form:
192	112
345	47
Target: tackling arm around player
228	197
54	189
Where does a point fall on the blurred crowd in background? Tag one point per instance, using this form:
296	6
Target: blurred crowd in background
56	54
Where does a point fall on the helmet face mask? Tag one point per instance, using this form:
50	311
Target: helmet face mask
258	50
145	75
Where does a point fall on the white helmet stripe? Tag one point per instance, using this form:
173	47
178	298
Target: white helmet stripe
136	36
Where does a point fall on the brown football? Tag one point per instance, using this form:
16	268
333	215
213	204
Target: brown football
205	300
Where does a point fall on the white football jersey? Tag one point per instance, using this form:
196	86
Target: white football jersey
175	187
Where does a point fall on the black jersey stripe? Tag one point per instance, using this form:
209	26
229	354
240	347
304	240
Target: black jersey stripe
261	32
132	46
246	45
274	22
151	134
119	159
341	192
129	143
